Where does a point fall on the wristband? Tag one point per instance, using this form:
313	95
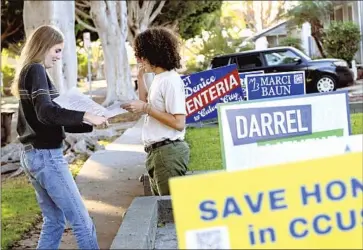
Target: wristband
148	108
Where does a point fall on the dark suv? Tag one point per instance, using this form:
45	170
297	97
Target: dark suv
321	75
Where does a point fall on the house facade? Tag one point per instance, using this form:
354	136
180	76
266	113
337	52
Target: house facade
349	11
342	11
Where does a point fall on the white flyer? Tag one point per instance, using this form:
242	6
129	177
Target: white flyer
73	99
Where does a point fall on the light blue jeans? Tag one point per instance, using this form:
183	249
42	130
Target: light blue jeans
58	198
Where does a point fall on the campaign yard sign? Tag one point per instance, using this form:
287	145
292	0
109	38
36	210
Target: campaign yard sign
292	151
262	86
203	90
314	204
246	126
242	76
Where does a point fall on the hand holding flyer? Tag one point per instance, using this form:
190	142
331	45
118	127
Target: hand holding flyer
73	99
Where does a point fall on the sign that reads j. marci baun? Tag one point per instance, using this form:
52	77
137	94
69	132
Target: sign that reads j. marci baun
242	76
261	86
315	204
247	126
203	90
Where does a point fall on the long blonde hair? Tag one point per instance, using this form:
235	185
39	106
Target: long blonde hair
35	49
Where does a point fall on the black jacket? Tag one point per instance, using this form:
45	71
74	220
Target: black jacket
41	122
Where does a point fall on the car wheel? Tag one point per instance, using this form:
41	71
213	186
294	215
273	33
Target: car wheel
326	84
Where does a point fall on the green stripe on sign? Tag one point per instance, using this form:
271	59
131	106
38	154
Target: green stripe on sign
316	135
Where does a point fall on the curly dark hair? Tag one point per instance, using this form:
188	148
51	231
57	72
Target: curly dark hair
159	46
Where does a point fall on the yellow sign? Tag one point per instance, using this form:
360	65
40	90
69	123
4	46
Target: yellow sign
312	204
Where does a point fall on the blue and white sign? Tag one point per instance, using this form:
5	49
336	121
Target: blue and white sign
267	123
203	90
248	127
271	85
242	76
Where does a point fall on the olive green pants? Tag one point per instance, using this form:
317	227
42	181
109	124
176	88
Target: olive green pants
165	162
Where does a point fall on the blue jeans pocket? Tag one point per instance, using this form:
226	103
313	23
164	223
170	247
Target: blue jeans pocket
34	160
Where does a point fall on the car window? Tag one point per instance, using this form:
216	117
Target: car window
219	62
281	57
249	61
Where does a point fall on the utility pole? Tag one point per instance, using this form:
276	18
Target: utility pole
87	46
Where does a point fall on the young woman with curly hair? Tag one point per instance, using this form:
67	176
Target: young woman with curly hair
157	51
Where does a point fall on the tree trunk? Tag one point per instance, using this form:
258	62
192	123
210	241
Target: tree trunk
319	45
317	33
109	18
62	15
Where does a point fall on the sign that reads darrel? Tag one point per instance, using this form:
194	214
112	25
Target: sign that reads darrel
261	124
246	126
260	86
314	204
242	76
205	89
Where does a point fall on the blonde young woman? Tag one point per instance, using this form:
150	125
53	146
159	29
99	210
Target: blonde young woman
41	126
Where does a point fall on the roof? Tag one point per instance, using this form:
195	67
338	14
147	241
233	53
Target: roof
277	29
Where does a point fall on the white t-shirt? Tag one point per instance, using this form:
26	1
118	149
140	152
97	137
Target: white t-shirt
166	94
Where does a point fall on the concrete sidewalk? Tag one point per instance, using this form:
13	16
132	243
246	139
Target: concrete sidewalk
108	183
356	88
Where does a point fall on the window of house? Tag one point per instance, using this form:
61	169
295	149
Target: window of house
249	61
350	13
282	57
338	14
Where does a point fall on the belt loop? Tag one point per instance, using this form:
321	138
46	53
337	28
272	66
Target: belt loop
28	147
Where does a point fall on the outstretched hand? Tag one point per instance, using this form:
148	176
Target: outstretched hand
95	119
135	106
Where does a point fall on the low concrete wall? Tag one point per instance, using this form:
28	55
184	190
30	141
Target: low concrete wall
146	182
138	228
356	107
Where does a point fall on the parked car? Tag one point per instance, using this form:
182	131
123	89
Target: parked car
323	75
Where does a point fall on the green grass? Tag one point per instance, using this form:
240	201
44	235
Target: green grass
76	166
107	141
357	123
205	148
205	152
19	207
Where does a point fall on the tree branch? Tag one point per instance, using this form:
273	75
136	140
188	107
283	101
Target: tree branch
87	26
144	6
82	4
121	8
82	13
99	14
157	11
8	31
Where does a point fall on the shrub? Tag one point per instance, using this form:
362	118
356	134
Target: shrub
341	40
8	75
248	46
82	64
292	42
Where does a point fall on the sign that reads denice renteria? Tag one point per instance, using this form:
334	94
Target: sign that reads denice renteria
205	89
314	204
247	126
261	86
